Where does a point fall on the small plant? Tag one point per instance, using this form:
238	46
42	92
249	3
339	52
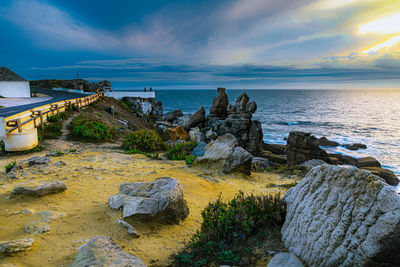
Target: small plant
37	148
260	169
290	185
73	150
9	166
228	228
99	114
181	151
190	159
92	130
144	140
58	153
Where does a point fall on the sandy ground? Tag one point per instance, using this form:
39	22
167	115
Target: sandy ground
19	101
94	173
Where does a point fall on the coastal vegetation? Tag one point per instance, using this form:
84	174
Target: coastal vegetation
181	151
230	229
144	140
9	166
92	130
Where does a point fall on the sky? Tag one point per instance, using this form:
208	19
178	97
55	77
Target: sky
205	44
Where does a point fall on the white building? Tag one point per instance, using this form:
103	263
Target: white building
13	85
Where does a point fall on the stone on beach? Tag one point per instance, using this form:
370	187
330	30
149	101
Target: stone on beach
385	174
103	252
193	120
131	230
284	259
18	245
323	141
343	216
160	199
36	227
38	161
177	133
45	188
367	162
225	156
302	147
199	149
355	146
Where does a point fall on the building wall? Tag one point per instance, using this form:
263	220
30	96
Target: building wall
120	94
15	89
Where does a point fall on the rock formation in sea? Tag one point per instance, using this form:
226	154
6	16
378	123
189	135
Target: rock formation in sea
343	216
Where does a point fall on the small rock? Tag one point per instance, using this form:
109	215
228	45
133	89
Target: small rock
131	230
45	188
211	135
355	146
309	164
261	163
60	163
16	245
199	149
284	260
367	162
36	227
102	251
49	215
38	161
323	141
196	136
385	174
177	133
172	115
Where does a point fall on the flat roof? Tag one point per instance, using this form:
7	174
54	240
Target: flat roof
8	75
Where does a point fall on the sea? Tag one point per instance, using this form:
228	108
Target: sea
371	117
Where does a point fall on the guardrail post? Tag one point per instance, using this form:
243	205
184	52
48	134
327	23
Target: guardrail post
41	120
19	125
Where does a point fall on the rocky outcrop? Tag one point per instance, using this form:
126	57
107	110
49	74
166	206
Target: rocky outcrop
45	188
385	174
172	115
323	141
309	164
223	155
177	133
144	106
196	135
302	147
220	104
18	245
275	148
355	146
193	120
102	251
343	216
199	149
367	162
258	164
161	199
131	230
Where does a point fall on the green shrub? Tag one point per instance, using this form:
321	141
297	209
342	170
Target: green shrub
51	131
228	228
144	140
190	159
181	151
93	131
9	166
73	150
59	117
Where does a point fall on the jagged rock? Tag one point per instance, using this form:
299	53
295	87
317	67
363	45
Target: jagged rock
220	104
196	118
261	163
36	227
284	259
60	163
281	159
223	155
131	230
355	146
103	252
177	133
162	199
302	147
341	159
196	135
172	115
343	216
211	135
45	188
38	161
275	148
49	215
8	247
385	174
323	141
199	149
367	162
309	164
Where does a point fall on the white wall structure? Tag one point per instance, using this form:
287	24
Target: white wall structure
15	89
120	94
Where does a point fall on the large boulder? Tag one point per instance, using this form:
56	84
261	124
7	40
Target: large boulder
323	141
161	199
355	146
13	246
45	188
284	259
172	115
220	104
177	133
302	147
190	121
385	174
343	216
258	164
275	148
309	164
368	162
223	155
103	252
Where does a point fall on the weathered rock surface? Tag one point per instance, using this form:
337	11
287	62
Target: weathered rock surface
340	159
343	216
45	188
261	163
323	141
103	252
177	133
16	245
367	162
196	135
199	149
172	115
161	199
385	174
193	120
38	161
275	148
131	230
281	159
220	104
223	155
284	259
36	227
302	147
309	164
